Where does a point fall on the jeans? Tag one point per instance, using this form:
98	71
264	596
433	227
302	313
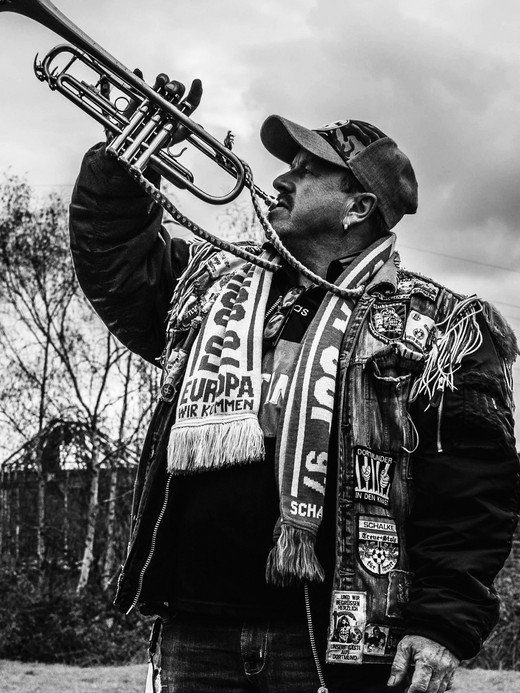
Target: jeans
200	655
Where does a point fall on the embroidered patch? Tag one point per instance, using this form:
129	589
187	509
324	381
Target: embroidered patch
374	475
418	329
397	595
346	628
381	641
414	285
377	544
387	320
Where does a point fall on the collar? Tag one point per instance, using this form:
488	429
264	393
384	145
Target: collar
384	281
334	270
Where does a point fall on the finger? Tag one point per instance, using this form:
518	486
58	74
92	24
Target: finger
160	81
174	91
439	685
132	104
421	679
448	680
400	665
104	87
193	98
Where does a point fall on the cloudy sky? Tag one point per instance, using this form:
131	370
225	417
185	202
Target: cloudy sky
442	77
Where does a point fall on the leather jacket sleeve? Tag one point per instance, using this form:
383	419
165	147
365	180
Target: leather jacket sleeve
125	261
466	480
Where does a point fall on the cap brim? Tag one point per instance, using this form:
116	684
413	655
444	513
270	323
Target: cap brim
283	139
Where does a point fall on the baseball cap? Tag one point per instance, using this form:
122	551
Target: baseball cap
373	158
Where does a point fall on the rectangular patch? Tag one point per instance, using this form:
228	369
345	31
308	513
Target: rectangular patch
397	596
377	543
418	329
381	641
415	285
346	628
374	475
426	289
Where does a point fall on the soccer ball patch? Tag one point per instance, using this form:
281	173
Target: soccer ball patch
377	544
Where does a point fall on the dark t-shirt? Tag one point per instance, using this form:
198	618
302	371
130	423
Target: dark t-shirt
222	522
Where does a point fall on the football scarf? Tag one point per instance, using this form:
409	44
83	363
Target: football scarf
220	395
217	410
306	422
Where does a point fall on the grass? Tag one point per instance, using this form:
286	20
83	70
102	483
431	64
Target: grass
20	677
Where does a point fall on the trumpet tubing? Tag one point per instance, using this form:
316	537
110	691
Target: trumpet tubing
137	141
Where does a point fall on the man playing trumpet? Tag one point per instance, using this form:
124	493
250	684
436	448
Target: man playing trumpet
328	487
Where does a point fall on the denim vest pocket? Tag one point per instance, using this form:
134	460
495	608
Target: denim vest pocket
381	418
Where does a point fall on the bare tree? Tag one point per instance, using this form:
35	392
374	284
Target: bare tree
62	361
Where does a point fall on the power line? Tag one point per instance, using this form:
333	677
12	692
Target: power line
51	185
461	259
408	247
503	303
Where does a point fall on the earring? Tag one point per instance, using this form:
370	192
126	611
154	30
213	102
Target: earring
346	222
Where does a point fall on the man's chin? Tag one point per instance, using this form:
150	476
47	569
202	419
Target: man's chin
277	221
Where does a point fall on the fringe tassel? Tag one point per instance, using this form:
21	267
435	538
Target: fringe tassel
212	445
293	559
459	336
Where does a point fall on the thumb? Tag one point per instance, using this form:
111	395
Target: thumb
402	661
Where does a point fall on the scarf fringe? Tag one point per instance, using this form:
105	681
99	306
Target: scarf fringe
214	444
293	559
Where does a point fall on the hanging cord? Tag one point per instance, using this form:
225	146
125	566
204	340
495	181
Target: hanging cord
323	688
153	684
161	199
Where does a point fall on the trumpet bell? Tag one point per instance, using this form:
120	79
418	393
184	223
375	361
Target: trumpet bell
137	142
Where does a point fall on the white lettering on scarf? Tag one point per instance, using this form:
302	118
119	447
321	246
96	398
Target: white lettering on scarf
324	386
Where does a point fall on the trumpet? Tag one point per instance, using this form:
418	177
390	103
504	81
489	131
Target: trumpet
137	140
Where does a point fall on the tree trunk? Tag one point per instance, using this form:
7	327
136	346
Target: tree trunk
16	516
66	521
92	516
40	524
108	565
3	506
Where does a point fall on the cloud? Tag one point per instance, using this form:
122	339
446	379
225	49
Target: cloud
437	79
441	77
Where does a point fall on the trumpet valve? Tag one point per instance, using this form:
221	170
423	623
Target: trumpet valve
135	120
160	139
140	138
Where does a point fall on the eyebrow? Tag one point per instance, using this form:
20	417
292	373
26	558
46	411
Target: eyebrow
305	159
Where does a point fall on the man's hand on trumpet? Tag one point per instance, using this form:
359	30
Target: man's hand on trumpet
173	91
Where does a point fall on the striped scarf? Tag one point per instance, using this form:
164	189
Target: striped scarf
303	443
220	395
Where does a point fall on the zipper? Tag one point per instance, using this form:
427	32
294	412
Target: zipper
323	688
152	545
271	310
439	417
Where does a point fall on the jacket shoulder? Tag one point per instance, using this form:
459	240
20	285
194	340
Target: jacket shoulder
409	282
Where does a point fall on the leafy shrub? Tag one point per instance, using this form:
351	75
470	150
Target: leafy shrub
64	627
502	648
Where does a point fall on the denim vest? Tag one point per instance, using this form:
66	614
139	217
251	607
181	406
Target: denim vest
383	352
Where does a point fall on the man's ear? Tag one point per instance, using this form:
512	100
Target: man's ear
368	202
359	208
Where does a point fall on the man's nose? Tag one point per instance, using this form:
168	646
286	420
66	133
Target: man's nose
283	182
